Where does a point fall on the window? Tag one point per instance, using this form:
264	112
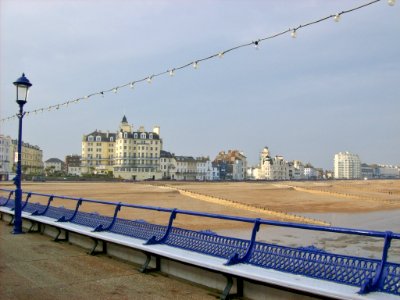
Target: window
143	135
111	139
90	138
98	138
125	135
135	135
151	136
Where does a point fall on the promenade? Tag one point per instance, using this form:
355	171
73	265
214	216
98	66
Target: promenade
32	266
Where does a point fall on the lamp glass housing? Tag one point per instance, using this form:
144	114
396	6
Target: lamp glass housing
22	93
22	84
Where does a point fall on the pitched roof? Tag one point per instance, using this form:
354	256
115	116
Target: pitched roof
166	154
105	136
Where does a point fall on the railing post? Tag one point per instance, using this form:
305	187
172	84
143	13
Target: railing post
37	213
101	227
373	284
235	259
63	219
153	240
26	201
9	197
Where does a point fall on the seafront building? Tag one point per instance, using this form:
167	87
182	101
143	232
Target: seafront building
273	168
53	165
73	165
347	166
205	170
6	157
186	167
98	152
231	165
127	153
296	170
168	165
32	158
377	171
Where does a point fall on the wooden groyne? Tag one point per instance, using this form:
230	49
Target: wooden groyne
243	206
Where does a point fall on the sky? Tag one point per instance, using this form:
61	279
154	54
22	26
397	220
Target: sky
335	87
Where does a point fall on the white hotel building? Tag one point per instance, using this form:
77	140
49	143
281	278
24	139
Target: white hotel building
347	166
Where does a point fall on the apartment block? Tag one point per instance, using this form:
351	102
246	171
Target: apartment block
128	153
347	166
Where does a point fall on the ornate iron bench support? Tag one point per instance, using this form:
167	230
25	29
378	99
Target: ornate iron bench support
153	240
64	219
101	228
235	259
373	284
37	213
26	201
9	197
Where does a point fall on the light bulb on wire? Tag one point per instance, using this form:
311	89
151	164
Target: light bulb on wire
172	72
336	18
132	85
256	46
294	33
391	2
196	65
149	79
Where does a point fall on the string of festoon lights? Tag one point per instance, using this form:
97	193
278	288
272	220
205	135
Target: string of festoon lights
195	63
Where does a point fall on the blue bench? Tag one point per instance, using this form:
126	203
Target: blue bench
366	274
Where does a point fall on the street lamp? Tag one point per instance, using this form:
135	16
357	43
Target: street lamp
23	86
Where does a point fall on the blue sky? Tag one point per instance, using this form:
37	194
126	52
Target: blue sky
333	88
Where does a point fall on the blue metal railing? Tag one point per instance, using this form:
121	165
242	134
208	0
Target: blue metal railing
369	274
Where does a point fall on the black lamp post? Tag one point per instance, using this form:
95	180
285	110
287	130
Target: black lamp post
23	86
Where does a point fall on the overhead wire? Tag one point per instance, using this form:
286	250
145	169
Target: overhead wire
195	63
